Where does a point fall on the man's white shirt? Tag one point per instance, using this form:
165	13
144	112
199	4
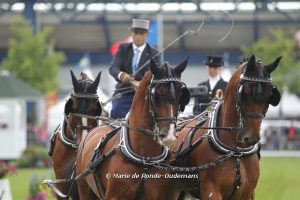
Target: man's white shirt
134	47
213	81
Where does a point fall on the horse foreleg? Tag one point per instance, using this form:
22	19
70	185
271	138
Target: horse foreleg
181	196
252	196
84	191
210	193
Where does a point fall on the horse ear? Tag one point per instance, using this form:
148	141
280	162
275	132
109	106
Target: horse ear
153	67
95	84
74	80
181	67
271	67
250	67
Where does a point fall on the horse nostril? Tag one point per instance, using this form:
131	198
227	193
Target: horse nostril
161	136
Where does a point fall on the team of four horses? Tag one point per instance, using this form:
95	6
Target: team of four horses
155	155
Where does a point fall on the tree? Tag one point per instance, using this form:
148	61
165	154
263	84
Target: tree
30	57
279	44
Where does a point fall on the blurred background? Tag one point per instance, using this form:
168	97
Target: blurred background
41	41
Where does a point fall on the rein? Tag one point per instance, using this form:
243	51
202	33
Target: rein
116	122
119	95
203	167
204	116
229	129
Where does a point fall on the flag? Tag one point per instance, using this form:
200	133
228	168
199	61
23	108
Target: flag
115	46
84	62
152	39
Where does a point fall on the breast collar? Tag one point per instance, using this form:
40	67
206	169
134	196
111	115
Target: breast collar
60	130
218	145
130	154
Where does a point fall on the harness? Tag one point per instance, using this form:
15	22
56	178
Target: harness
60	130
213	138
72	142
138	159
98	157
218	145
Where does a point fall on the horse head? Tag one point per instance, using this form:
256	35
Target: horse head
84	100
166	96
253	90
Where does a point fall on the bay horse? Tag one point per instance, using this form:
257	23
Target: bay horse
115	162
224	148
83	102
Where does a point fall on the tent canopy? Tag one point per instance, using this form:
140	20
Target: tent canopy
11	87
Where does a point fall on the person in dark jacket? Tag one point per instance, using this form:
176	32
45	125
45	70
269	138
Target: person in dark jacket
126	65
214	82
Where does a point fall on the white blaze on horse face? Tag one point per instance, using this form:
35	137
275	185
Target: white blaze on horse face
84	123
172	130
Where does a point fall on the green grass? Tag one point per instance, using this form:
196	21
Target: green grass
279	180
19	182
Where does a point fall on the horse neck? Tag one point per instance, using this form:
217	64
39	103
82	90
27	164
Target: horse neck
140	117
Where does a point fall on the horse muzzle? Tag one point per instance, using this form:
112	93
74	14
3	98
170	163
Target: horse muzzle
168	135
248	137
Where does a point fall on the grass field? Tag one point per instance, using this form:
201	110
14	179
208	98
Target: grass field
279	180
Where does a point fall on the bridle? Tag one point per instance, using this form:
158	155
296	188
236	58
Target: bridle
151	101
239	90
84	119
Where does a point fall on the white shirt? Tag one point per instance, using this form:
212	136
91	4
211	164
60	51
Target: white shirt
213	81
141	49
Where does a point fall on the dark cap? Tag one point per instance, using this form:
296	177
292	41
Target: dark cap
214	61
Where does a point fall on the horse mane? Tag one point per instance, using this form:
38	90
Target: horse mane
234	80
142	89
140	97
